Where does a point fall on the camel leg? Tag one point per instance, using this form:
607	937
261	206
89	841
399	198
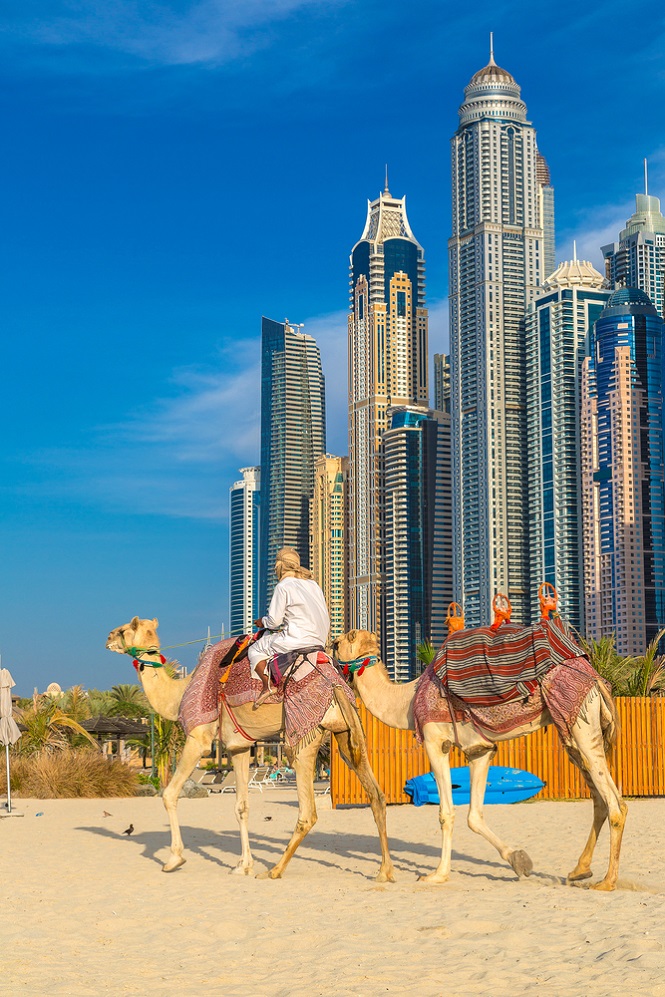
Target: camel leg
600	813
197	743
304	765
588	738
478	772
240	761
439	760
353	748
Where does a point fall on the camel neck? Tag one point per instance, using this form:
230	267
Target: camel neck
163	692
390	702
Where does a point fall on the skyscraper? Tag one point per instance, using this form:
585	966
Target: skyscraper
442	382
558	326
623	473
418	534
387	366
327	536
498	254
293	435
638	258
244	499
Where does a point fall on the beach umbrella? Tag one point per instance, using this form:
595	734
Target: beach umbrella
9	732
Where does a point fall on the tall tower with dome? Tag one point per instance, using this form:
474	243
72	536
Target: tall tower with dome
499	251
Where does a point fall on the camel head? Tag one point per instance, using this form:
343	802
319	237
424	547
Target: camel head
354	645
141	634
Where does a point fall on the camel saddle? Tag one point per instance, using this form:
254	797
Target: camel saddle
485	666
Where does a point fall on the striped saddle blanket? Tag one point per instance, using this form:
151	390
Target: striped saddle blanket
485	667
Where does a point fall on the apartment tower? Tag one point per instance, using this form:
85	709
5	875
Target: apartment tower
244	499
498	255
387	366
293	436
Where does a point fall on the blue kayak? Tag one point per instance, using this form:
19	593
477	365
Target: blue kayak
504	785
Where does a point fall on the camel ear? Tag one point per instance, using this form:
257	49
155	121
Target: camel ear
135	622
373	635
155	623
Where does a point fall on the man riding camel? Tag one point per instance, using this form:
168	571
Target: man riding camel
298	613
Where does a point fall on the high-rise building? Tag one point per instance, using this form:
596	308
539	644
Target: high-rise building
623	473
498	255
387	366
327	536
638	258
418	534
293	435
442	382
244	501
558	326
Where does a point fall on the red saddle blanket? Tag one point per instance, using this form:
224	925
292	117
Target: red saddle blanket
485	667
305	702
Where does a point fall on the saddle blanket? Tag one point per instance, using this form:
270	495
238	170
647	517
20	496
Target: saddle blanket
563	692
486	667
305	701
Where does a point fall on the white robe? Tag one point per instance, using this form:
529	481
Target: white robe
298	606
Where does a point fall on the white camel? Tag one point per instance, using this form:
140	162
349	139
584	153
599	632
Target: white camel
592	735
165	693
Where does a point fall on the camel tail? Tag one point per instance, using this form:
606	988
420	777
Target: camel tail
356	734
609	717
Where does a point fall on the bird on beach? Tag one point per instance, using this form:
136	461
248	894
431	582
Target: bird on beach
105	813
128	830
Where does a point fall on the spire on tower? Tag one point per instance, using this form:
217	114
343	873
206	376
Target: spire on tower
646	176
385	189
492	62
575	250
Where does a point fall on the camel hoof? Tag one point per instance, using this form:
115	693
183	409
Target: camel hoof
269	874
521	863
432	877
603	887
385	876
173	863
242	870
576	875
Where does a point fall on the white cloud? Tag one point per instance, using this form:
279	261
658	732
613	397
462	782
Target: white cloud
206	32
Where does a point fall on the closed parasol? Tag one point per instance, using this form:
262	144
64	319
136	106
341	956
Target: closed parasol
9	732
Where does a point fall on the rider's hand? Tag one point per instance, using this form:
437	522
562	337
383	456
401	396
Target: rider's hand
258	623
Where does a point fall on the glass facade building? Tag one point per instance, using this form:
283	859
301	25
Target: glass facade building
388	365
418	535
623	469
558	327
244	504
328	536
638	258
499	252
293	436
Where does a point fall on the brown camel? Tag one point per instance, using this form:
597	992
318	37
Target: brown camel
592	735
165	693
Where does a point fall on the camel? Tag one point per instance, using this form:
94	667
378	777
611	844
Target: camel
592	735
164	693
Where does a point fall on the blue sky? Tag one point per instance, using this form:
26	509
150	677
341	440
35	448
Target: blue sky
173	170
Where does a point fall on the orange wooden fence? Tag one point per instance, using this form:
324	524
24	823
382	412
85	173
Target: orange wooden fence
637	761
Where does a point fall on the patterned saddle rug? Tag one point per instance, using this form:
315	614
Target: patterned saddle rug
485	667
305	700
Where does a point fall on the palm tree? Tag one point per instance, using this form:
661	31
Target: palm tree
648	674
607	661
128	701
75	703
47	727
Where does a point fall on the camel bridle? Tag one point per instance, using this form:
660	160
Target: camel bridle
135	652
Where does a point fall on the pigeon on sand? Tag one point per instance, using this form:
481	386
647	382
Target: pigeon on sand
128	830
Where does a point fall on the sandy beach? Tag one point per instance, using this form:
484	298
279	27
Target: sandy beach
87	910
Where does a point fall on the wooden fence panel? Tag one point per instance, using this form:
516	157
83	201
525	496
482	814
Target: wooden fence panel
637	762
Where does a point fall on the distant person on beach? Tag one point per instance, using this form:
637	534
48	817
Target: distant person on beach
297	612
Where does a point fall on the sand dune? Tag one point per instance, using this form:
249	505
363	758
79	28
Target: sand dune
87	911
